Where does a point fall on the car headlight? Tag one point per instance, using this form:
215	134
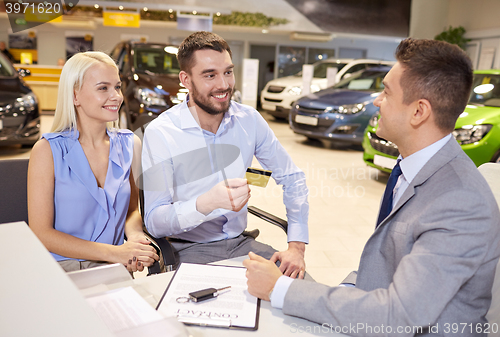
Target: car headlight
373	122
148	97
350	109
26	102
296	91
471	133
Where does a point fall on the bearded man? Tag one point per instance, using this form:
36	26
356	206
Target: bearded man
195	156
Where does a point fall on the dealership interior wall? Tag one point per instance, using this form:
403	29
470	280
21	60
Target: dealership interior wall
52	44
428	18
479	18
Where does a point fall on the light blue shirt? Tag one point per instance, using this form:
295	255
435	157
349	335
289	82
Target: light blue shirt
81	207
182	161
410	166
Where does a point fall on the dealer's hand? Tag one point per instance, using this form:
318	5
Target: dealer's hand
262	275
292	260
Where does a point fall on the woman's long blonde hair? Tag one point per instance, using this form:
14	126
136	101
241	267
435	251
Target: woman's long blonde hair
71	80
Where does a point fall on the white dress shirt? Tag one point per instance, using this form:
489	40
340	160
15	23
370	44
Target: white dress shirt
182	161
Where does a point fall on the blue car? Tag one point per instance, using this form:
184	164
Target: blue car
342	112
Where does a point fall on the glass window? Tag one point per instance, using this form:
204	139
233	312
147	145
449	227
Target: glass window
318	54
155	60
122	59
364	80
125	65
115	54
354	69
321	69
6	68
486	90
290	60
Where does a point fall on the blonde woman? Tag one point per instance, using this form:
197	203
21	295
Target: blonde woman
82	197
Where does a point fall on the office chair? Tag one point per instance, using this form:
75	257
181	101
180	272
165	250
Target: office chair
14	190
163	248
491	172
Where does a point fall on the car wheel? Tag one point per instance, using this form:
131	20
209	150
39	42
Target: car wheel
123	119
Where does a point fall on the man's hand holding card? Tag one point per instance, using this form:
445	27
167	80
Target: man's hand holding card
257	177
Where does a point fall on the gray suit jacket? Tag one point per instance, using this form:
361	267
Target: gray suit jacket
429	264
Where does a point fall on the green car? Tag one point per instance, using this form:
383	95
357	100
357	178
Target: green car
477	129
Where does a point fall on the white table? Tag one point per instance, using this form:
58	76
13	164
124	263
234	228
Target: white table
38	299
272	322
36	296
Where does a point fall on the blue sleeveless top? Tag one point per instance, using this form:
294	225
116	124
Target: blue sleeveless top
81	207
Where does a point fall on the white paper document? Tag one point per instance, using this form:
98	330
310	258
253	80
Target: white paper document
123	309
235	308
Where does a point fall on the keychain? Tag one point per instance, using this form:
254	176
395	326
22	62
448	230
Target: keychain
201	295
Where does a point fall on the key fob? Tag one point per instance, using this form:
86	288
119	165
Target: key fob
202	295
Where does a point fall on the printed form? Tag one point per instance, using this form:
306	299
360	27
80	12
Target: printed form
233	308
123	309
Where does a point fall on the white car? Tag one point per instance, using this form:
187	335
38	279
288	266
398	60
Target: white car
279	94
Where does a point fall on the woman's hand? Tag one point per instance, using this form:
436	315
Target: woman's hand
135	254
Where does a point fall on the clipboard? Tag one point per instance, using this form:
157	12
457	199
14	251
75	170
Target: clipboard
236	309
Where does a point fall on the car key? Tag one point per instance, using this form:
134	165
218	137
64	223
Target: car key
205	294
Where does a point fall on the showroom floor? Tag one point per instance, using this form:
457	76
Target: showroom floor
344	196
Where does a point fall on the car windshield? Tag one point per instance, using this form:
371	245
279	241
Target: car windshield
486	90
371	80
6	68
155	60
320	69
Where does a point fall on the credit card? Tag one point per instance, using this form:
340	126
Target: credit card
257	177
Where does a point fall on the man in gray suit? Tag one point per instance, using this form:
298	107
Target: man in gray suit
428	268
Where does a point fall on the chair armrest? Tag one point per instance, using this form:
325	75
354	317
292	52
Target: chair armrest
163	248
269	217
166	253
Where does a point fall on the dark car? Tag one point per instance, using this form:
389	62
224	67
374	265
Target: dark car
150	81
19	114
342	112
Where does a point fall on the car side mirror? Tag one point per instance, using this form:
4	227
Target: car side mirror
24	72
